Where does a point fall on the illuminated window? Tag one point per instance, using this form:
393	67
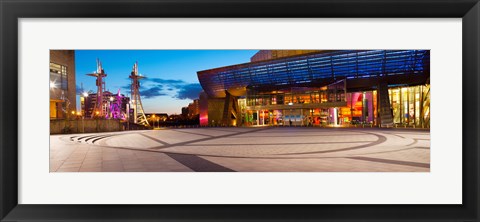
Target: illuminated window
58	76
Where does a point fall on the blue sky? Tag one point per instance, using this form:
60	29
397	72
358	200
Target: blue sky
171	81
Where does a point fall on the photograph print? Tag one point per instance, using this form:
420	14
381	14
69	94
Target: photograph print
239	110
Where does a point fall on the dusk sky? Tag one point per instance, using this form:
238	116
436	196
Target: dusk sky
171	75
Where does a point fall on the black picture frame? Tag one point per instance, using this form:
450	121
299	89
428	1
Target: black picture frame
11	11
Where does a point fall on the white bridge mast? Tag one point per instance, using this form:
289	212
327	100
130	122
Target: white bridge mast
138	112
100	106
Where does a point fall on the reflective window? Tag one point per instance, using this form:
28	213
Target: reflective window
58	76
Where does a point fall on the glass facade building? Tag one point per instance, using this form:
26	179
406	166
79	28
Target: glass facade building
322	88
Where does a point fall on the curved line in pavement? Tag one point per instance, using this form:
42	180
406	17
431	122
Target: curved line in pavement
205	139
93	137
380	140
192	133
222	156
296	136
414	141
102	137
390	151
271	144
212	155
96	137
393	134
79	138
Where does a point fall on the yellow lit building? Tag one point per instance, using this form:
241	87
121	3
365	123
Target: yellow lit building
62	84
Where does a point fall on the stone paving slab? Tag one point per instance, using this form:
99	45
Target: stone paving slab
256	149
131	140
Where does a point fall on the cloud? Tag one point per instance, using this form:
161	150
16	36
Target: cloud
152	92
127	87
170	82
176	88
189	91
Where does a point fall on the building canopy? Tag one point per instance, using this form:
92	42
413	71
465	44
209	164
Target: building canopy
313	69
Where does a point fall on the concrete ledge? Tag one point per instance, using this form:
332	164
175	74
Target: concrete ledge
85	126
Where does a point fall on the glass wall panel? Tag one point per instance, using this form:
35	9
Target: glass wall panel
411	106
426	106
396	105
417	106
404	92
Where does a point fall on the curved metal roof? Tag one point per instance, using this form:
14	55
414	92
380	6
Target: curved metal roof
312	69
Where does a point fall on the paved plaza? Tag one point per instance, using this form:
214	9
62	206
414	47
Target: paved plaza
261	149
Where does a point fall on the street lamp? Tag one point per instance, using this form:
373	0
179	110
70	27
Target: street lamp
127	113
80	114
153	117
52	85
82	101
